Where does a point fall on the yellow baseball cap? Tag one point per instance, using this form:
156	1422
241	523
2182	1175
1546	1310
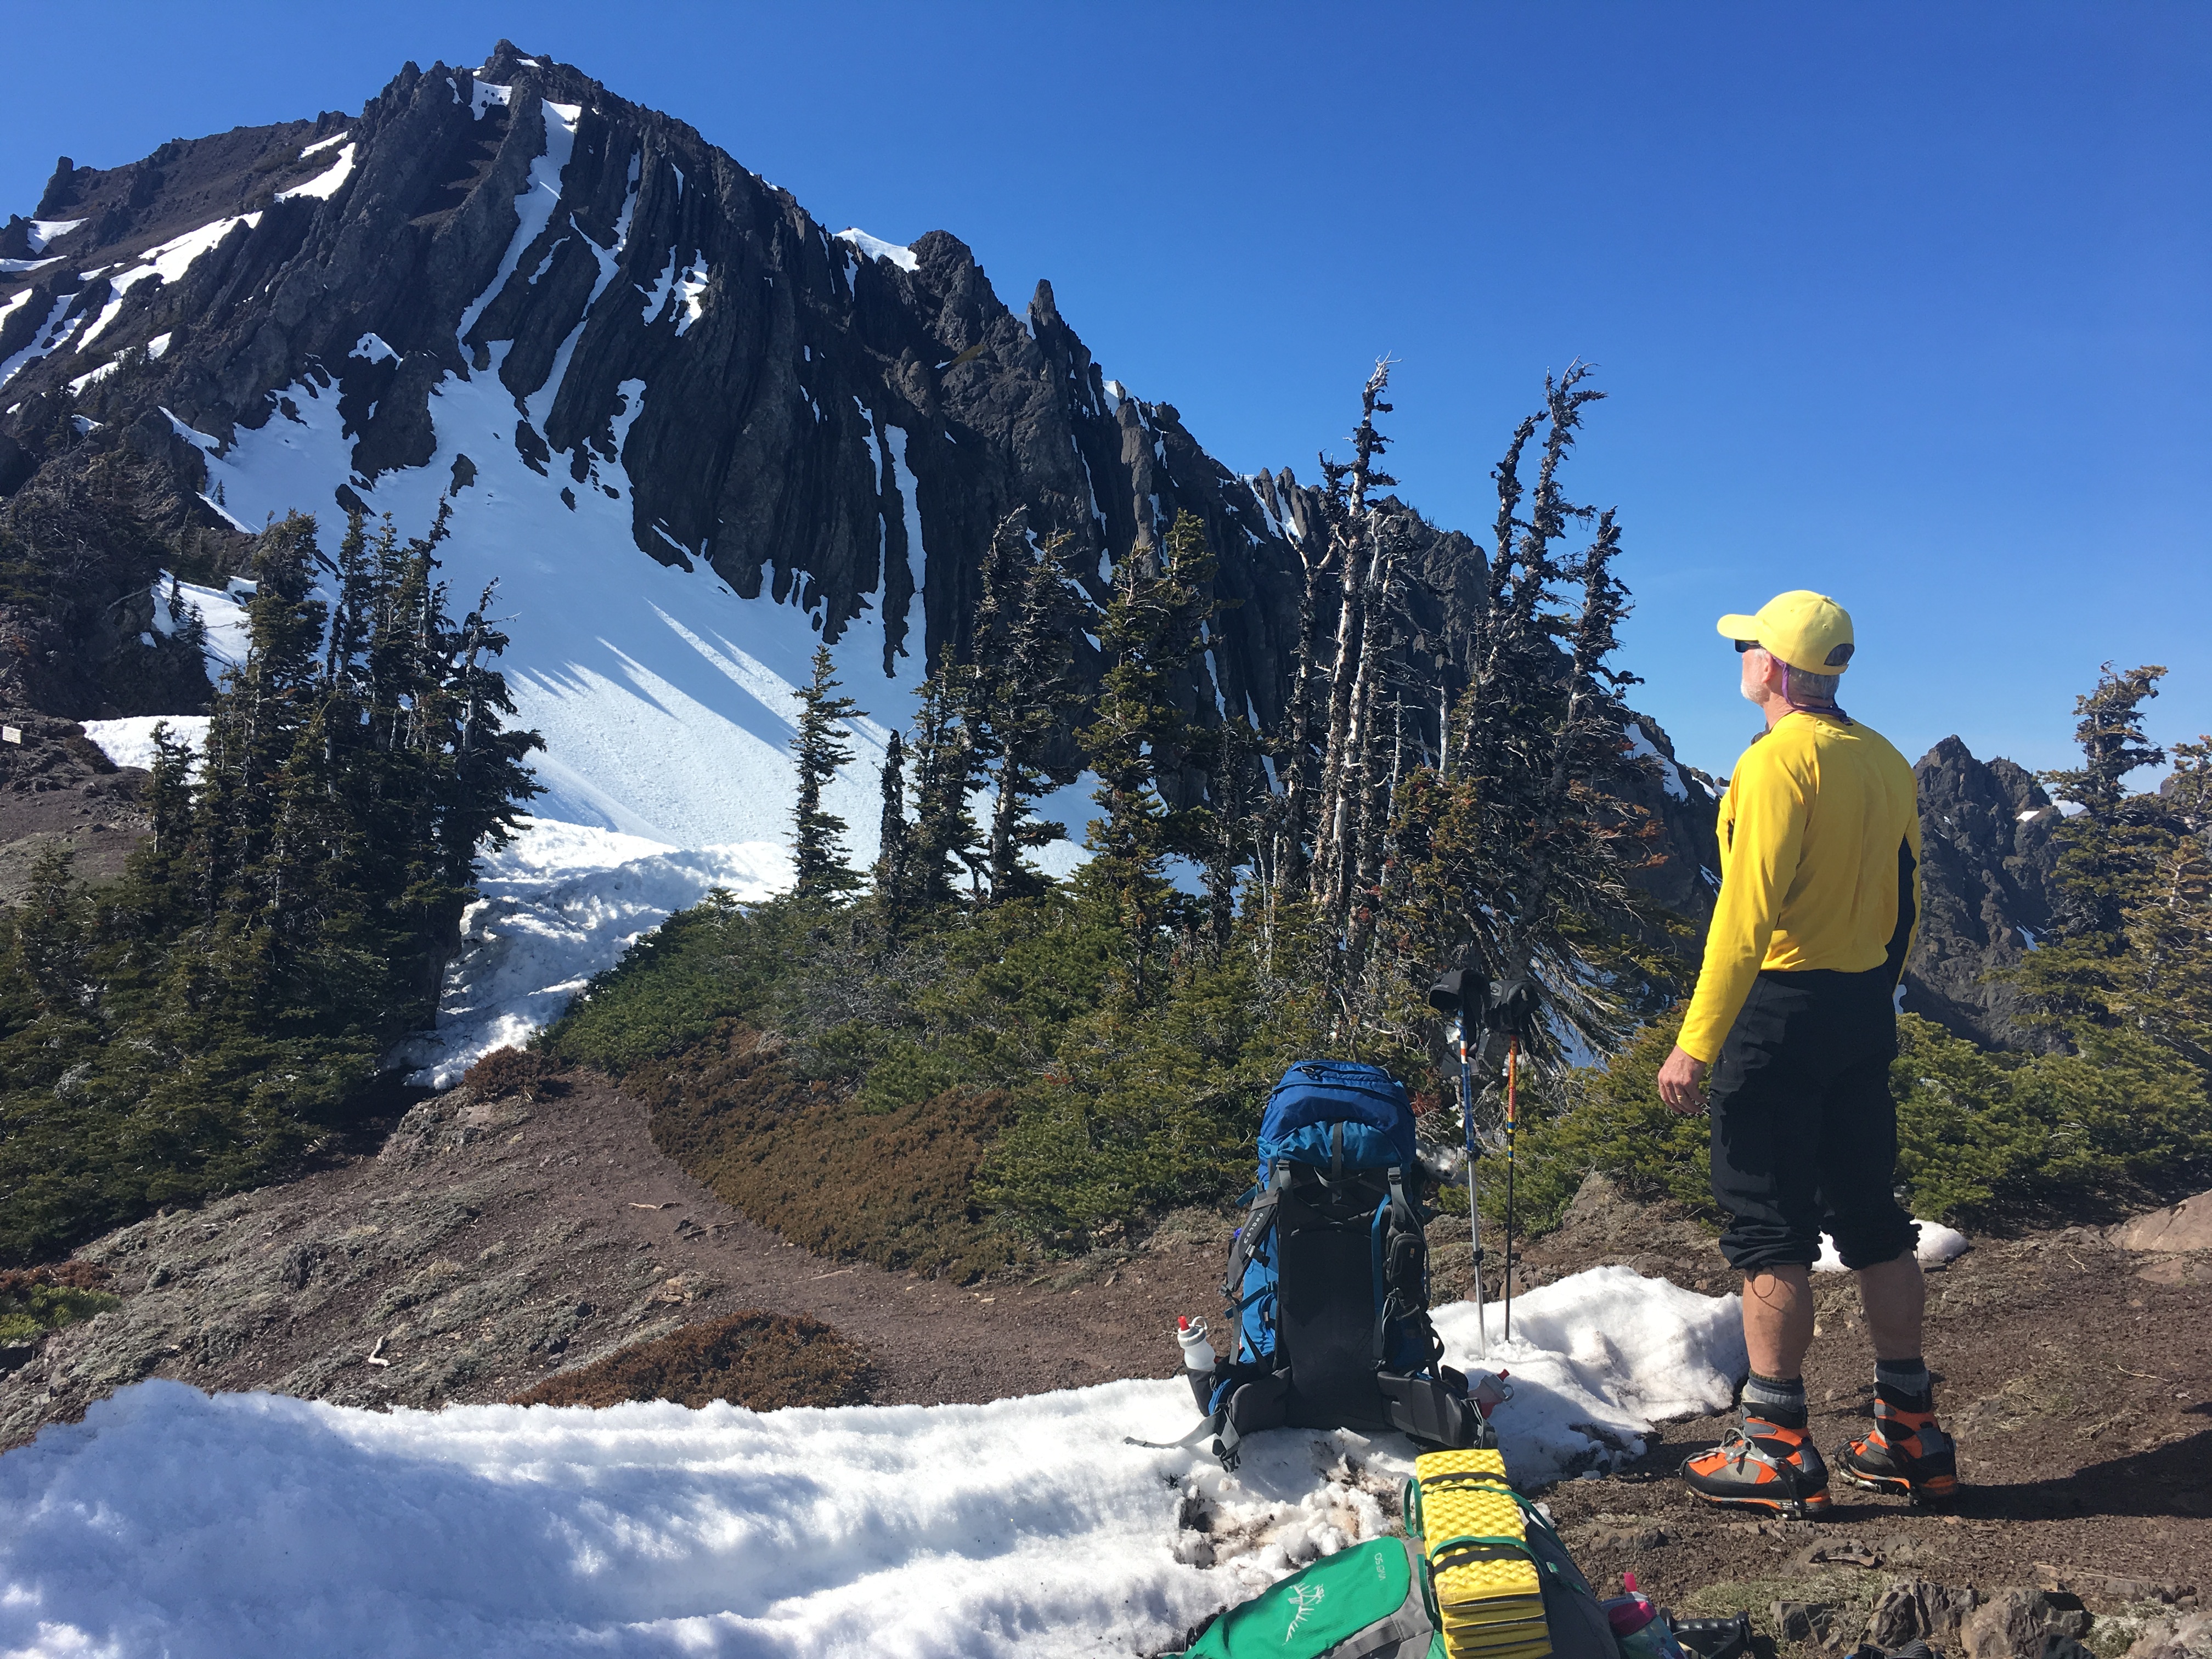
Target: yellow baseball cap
1808	630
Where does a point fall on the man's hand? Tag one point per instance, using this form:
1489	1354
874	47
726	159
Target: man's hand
1682	1083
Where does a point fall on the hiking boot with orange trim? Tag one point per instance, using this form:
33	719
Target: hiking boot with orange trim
1763	1466
1904	1454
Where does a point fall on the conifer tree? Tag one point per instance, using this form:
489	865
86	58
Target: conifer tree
2109	853
817	847
1139	739
1515	863
1025	672
942	844
287	918
892	860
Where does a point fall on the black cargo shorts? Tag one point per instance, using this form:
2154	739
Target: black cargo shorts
1804	1128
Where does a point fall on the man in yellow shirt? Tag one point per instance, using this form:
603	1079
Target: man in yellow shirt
1795	1016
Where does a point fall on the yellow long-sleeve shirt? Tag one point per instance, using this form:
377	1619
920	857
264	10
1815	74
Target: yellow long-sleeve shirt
1820	835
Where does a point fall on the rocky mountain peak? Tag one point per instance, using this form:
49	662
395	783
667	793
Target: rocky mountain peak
1988	861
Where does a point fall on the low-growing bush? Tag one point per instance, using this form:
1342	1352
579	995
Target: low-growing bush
35	1300
514	1072
804	1158
761	1361
1983	1138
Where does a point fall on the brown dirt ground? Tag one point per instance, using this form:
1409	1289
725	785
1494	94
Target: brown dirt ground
2077	1376
55	785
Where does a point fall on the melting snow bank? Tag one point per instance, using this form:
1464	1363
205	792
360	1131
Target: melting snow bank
130	741
558	905
172	1522
1938	1244
1596	1360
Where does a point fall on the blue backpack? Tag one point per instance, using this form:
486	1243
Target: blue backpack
1329	1277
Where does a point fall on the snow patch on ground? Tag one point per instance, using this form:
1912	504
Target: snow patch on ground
130	741
1596	1360
49	337
561	903
245	1525
166	263
324	143
541	194
1938	1244
44	231
876	248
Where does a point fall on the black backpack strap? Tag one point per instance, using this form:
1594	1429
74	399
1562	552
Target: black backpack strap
1259	1404
1403	1303
1431	1412
1259	1221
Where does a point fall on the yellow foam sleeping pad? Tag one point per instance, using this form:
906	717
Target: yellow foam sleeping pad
1490	1603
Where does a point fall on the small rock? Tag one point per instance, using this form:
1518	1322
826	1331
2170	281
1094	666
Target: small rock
1801	1622
295	1267
2088	1583
2189	1636
1602	1542
2014	1625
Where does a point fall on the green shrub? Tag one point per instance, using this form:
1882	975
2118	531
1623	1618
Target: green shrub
703	965
35	1300
1610	1118
807	1159
1983	1138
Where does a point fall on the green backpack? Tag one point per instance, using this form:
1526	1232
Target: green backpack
1366	1603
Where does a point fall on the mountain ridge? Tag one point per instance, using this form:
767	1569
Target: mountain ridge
509	290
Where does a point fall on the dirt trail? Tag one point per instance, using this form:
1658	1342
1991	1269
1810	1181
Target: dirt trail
491	1244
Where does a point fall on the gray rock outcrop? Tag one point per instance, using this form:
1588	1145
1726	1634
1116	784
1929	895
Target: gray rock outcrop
1988	859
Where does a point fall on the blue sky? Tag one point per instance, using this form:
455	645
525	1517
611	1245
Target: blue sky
1907	303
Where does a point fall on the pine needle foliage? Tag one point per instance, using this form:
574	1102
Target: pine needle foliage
817	846
196	1026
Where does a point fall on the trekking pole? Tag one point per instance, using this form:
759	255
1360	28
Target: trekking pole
1512	1054
1458	993
1473	1214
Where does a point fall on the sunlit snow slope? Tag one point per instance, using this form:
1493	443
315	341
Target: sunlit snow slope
666	702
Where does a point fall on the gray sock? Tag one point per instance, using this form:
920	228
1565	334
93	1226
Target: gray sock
1779	1400
1908	1378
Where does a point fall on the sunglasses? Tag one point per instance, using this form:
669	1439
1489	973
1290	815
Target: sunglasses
1742	646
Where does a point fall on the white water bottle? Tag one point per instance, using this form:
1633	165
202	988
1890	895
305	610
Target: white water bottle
1197	1358
1197	1350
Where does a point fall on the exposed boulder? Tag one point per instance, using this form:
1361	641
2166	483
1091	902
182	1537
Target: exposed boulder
2183	1226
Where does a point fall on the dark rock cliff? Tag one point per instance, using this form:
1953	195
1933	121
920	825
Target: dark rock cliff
1988	857
789	373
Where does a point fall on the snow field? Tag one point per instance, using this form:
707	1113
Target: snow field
176	1523
559	904
130	741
